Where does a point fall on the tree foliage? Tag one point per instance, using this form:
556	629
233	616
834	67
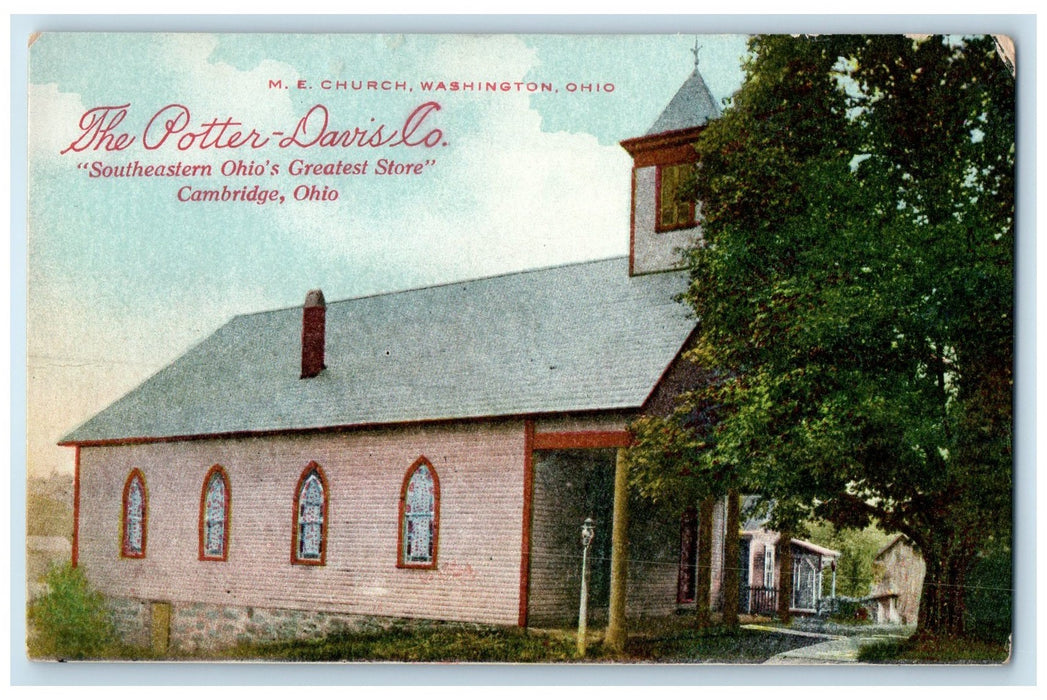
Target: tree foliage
855	295
855	570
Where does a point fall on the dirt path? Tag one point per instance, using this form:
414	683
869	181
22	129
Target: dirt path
835	649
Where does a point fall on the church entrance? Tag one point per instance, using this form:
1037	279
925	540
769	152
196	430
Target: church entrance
570	486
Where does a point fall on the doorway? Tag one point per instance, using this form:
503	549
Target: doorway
570	486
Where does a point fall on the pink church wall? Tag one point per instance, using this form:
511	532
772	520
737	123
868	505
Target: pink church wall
480	468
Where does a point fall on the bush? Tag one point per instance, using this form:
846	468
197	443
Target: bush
989	597
884	650
71	621
845	610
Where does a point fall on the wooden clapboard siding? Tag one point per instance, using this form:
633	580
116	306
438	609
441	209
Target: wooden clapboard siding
653	250
480	467
654	559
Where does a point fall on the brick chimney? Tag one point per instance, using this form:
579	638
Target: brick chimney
314	313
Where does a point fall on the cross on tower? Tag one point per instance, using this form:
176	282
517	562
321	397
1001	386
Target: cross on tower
695	51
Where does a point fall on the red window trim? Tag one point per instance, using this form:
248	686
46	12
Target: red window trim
295	559
400	563
125	551
216	469
658	227
75	553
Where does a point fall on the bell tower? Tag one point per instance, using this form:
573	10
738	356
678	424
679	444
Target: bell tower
661	224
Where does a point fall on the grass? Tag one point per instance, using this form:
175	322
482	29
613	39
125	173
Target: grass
442	642
934	651
425	643
715	645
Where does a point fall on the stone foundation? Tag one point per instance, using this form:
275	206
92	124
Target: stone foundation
131	619
204	626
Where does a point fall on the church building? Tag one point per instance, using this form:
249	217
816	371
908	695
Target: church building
430	453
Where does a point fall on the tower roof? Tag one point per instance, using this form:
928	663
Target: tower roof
693	105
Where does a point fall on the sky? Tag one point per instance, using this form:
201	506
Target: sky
123	277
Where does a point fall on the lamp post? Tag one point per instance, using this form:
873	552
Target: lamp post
583	605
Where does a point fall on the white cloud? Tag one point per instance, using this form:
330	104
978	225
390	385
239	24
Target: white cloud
473	56
51	113
216	89
506	197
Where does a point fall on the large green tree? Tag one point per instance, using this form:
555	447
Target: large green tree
854	291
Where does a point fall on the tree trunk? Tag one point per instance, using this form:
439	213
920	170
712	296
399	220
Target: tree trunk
942	599
784	553
703	580
731	574
615	636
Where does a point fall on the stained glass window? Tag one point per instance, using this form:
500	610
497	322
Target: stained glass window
418	522
310	518
134	516
215	516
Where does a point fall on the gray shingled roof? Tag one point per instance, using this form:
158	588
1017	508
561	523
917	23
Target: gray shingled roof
572	338
693	105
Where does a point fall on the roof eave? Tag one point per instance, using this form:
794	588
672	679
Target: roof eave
817	549
665	139
308	430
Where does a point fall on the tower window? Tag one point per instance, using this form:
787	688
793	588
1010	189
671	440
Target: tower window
673	211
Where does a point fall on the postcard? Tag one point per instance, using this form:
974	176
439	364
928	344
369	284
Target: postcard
520	348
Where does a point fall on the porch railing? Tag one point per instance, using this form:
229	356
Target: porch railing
762	600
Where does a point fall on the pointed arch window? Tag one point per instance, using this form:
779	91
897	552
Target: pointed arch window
214	516
135	514
419	516
309	544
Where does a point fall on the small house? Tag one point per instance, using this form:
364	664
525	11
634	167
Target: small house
760	567
896	591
